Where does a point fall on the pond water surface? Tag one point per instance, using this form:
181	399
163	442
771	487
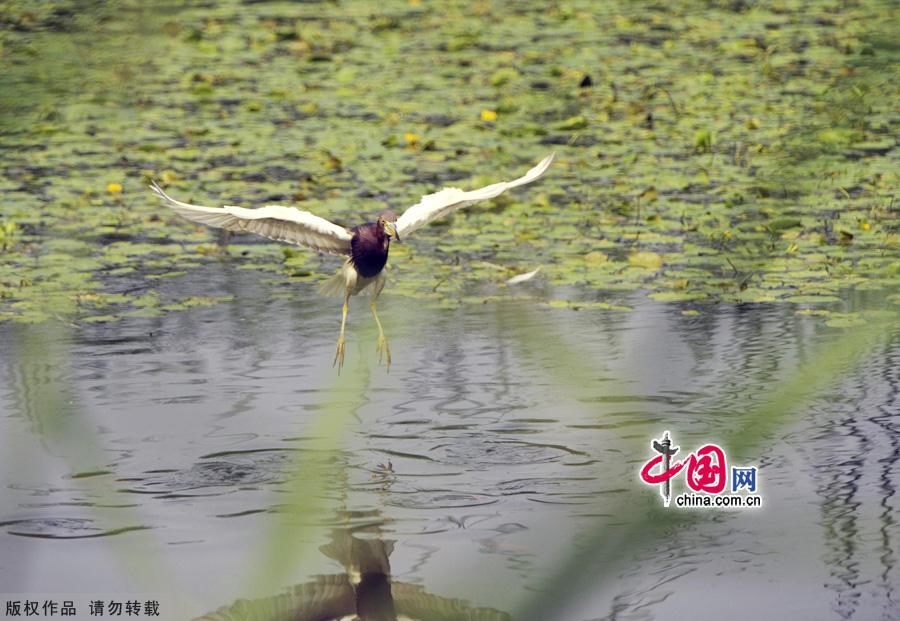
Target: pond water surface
155	456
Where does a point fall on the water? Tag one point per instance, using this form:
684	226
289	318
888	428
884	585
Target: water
157	457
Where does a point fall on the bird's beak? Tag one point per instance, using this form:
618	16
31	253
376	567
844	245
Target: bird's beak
391	229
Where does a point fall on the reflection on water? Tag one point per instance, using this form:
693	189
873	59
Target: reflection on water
857	480
503	436
365	591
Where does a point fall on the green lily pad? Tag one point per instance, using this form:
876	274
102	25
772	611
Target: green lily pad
766	176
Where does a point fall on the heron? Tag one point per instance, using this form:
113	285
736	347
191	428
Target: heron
365	246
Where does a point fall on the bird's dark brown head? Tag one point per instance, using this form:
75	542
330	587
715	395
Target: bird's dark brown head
387	221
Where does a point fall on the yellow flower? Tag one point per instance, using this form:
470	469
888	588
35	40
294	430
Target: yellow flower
114	188
489	116
411	138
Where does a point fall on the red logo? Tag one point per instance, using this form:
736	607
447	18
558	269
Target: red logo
705	470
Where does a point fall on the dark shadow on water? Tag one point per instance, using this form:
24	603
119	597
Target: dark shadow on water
365	590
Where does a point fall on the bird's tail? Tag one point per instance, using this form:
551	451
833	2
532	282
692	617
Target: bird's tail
348	279
336	285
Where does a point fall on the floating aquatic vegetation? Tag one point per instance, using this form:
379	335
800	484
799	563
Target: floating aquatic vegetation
736	156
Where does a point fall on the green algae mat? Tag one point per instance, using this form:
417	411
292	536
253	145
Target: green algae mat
733	152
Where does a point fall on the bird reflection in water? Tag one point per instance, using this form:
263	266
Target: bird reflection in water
365	592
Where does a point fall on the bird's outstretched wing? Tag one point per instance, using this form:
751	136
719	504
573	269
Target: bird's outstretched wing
441	203
274	221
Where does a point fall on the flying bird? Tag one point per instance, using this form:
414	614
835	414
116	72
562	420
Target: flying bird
366	246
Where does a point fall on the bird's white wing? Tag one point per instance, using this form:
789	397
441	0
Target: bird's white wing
274	221
439	204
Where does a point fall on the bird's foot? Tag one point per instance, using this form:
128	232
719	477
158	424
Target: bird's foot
339	354
384	352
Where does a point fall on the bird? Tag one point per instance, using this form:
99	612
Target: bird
365	246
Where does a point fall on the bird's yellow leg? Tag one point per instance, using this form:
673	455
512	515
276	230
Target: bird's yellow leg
384	352
341	344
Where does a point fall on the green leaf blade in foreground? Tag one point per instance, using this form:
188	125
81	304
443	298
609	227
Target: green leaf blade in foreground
641	526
